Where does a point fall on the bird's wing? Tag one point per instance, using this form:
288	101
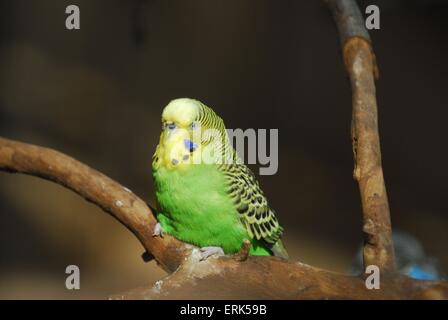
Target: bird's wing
255	214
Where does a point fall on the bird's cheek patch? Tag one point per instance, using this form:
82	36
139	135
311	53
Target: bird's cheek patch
178	155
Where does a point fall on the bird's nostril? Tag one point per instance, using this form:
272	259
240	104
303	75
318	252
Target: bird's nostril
190	145
174	161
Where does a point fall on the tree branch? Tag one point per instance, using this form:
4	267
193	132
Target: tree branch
275	278
95	187
361	68
224	277
242	276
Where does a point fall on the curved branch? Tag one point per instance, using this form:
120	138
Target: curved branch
226	277
97	188
275	278
252	277
361	68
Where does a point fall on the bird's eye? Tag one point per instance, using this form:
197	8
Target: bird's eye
171	126
194	125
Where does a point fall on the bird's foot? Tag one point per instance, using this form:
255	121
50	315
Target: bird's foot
158	231
209	251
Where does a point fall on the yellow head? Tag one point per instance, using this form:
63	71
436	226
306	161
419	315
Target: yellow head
192	133
176	144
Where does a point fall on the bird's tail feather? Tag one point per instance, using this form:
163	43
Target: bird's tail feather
279	250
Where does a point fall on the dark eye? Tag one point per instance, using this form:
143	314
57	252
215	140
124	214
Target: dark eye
194	125
171	126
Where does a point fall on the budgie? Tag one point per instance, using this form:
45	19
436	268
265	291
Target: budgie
214	204
410	257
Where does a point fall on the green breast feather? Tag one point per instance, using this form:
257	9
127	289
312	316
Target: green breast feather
195	208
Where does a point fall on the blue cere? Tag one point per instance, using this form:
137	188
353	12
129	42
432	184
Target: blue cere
190	145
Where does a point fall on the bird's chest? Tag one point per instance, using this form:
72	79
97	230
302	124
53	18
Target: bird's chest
197	208
192	195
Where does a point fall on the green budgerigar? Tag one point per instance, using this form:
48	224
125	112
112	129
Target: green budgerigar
206	195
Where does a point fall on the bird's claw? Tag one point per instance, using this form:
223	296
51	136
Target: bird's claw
209	251
158	231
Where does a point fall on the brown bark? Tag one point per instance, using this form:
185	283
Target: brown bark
97	188
275	278
243	276
378	246
226	277
360	64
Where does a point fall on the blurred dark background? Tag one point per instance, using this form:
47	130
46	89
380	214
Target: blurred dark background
97	94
